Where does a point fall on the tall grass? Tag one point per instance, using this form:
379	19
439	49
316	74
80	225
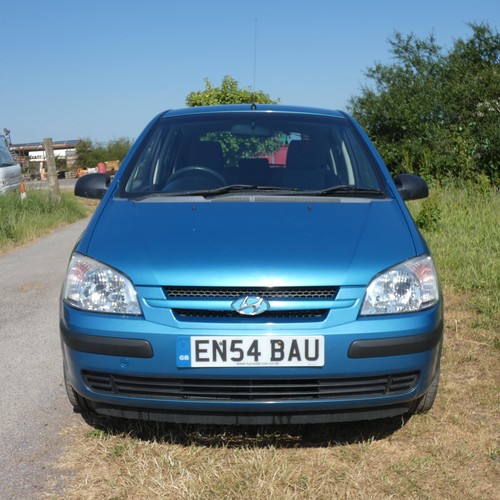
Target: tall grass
461	224
39	213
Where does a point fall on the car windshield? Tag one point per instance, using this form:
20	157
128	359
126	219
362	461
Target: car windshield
6	159
221	153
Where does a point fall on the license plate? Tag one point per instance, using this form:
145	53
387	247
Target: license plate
265	350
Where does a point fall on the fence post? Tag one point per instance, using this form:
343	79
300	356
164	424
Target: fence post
51	169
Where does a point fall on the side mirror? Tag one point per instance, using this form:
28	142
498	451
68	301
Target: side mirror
411	187
92	185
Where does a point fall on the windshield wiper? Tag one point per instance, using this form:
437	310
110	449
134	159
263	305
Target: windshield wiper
344	190
233	188
6	164
347	190
238	188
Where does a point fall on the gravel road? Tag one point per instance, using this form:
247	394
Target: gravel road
33	404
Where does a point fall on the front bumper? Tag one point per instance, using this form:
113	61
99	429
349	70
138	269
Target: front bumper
367	361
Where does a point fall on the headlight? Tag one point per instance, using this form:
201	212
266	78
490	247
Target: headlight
407	287
92	286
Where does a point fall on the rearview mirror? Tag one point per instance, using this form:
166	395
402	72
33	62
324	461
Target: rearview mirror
411	187
92	185
251	129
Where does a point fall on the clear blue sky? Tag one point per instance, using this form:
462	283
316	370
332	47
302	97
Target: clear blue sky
103	68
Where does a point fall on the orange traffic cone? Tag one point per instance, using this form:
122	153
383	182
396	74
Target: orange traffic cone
23	190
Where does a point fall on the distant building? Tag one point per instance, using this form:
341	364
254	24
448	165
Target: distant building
34	153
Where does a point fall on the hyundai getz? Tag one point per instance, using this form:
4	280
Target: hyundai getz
252	264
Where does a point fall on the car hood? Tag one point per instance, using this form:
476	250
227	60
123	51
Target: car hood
337	242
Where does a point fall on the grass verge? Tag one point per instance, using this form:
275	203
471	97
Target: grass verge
25	220
451	452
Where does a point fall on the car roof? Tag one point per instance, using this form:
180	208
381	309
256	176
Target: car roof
252	108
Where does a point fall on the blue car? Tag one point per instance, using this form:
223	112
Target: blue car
252	264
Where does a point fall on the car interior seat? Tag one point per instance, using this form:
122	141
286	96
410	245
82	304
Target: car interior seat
305	167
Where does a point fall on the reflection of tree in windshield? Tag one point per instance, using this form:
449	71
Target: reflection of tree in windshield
236	147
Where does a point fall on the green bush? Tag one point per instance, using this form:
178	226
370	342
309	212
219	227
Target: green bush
429	217
434	112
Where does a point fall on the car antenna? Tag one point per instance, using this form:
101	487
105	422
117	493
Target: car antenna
254	105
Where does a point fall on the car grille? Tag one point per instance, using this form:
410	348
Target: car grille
277	293
307	315
250	390
295	297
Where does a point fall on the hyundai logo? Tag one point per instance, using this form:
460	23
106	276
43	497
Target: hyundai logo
251	305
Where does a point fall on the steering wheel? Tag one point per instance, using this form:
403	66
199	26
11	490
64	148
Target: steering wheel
197	169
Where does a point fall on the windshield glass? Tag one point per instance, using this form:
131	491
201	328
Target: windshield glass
5	156
203	153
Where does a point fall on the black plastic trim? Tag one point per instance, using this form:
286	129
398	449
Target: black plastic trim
250	418
396	346
109	346
238	390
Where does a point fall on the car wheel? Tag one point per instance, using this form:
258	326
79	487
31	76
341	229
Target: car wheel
427	400
79	402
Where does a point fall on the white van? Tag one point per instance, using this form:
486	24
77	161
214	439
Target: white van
10	171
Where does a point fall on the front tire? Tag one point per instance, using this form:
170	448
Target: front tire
79	402
427	400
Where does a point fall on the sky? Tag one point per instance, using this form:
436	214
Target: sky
102	69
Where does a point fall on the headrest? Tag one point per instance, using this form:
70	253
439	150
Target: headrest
303	155
206	154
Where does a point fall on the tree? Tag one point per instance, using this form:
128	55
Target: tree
230	93
227	93
117	149
473	97
87	154
436	113
90	154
